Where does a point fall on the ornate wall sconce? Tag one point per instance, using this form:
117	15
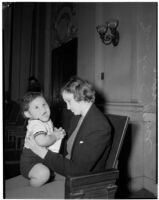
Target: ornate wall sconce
108	32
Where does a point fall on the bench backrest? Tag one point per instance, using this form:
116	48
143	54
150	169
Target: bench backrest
119	126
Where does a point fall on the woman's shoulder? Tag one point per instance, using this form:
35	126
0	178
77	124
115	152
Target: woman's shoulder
96	112
97	117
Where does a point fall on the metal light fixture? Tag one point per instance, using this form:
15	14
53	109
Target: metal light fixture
108	32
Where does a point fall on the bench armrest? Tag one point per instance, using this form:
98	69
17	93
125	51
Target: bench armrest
96	185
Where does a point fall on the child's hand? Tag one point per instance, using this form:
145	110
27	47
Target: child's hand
59	133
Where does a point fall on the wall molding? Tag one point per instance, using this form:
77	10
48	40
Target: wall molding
129	106
150	185
133	110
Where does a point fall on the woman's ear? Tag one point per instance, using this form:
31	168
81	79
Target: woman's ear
27	114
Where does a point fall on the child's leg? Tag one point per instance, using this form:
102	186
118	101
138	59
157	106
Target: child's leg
39	175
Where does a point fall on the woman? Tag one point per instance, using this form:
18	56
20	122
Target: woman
89	137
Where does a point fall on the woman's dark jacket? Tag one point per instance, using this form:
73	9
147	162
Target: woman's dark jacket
90	149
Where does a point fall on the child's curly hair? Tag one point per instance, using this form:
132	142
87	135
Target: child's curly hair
27	99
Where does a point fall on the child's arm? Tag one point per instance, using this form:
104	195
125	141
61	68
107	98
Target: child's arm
43	139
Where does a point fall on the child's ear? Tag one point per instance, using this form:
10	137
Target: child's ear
27	114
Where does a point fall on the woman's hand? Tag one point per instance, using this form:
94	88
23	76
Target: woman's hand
31	143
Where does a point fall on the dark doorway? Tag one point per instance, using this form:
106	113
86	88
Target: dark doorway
64	65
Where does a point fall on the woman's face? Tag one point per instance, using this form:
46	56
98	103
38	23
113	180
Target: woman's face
72	104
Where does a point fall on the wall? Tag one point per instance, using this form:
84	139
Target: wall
86	36
6	44
25	44
21	48
129	69
31	31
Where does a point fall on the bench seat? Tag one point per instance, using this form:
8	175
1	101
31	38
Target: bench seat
19	188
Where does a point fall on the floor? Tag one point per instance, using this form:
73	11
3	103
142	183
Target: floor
142	194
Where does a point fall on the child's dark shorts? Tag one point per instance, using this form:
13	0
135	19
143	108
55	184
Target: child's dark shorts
27	161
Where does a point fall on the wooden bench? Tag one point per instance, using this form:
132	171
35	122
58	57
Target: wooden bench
93	186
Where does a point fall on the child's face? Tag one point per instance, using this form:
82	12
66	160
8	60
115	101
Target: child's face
38	109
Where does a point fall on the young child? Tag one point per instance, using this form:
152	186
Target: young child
36	109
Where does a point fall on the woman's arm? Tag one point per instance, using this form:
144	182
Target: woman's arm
49	156
85	155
